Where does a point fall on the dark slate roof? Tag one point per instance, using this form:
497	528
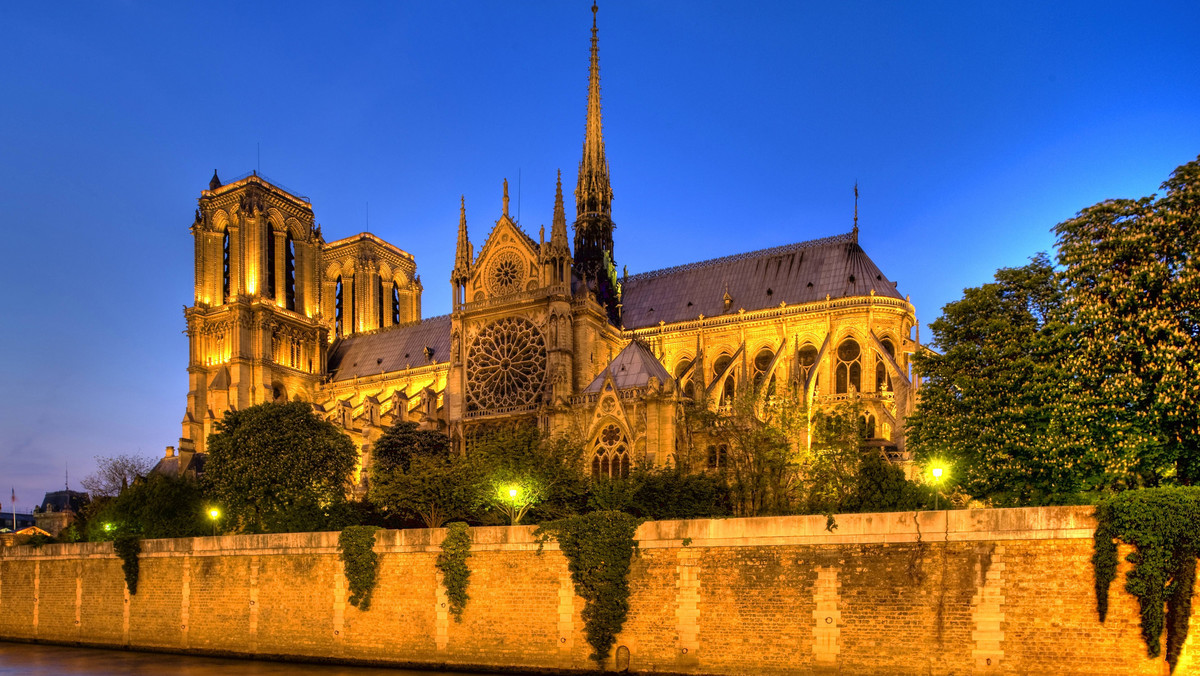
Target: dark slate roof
57	501
170	466
393	349
631	368
794	273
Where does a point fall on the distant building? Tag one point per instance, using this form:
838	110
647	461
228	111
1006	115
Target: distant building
59	509
22	521
187	462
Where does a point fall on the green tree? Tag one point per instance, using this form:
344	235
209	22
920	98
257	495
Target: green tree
278	468
828	467
155	507
546	474
416	472
880	486
1133	287
989	400
757	445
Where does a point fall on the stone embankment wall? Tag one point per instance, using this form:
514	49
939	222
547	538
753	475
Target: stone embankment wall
986	591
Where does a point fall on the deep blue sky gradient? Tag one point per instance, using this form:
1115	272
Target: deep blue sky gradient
972	128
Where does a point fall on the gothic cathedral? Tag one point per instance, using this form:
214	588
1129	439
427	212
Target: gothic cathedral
541	332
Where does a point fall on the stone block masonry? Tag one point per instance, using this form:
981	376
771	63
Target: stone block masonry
969	592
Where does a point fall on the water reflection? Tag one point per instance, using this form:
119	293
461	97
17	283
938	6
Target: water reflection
47	660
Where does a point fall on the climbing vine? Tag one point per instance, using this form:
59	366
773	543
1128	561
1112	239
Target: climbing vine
127	547
1160	523
599	548
361	563
452	562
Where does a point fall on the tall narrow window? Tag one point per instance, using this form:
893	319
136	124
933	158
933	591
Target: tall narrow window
271	265
849	371
395	303
762	362
806	360
289	271
225	268
338	301
684	379
380	300
728	386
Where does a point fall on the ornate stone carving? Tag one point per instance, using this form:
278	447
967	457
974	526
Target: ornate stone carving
506	364
506	273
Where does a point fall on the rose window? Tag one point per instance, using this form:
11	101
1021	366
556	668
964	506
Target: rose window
506	365
507	273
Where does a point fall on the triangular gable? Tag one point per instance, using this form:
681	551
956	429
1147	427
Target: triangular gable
632	367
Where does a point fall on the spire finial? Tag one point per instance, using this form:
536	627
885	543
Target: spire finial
856	211
506	197
462	251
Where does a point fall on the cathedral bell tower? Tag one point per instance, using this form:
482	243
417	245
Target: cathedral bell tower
254	330
594	260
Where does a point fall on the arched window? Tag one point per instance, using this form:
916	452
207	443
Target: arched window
684	379
339	297
395	303
806	361
762	362
883	379
728	387
289	272
868	429
225	268
610	453
271	265
380	300
718	456
849	372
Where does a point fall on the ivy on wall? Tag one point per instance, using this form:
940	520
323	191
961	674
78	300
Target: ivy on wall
361	563
1162	526
599	548
452	562
127	548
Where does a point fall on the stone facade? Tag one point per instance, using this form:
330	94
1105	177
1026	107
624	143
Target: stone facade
984	591
541	332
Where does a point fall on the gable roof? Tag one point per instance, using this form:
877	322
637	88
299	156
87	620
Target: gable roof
392	349
632	367
795	273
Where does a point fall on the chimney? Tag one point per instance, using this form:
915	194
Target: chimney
170	451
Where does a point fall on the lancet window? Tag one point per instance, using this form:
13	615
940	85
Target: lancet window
610	453
729	386
762	362
380	301
684	379
806	361
339	295
395	303
271	265
289	271
225	267
868	429
882	378
718	456
848	373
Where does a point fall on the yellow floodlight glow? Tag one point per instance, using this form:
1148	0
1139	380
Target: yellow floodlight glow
214	513
937	472
512	492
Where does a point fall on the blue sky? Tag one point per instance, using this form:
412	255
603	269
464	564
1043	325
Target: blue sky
971	128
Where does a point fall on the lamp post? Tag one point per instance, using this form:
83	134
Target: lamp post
214	514
937	480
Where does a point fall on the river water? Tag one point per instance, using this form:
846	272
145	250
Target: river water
48	660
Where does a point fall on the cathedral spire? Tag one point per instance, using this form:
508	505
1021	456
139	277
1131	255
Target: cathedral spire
558	229
594	257
462	252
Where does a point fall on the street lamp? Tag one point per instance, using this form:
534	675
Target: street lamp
214	514
937	472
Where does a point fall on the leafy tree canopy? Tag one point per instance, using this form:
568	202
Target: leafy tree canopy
416	473
278	467
1132	278
988	401
155	507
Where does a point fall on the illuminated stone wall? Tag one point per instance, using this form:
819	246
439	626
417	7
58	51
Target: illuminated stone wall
995	591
